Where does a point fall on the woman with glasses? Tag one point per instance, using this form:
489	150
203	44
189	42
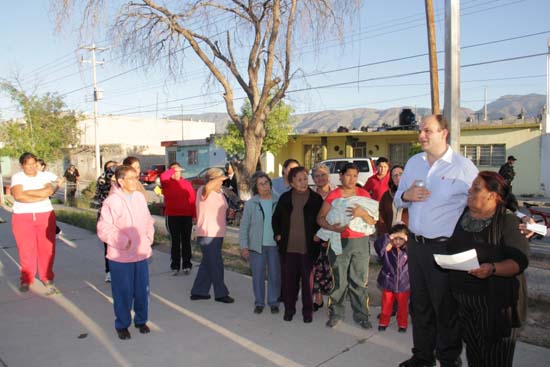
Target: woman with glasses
389	214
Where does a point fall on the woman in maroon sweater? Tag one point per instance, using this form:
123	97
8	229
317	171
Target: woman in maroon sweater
179	201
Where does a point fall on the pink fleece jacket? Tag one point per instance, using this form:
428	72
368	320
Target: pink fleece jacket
126	226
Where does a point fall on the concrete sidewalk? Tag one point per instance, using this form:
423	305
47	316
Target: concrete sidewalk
75	328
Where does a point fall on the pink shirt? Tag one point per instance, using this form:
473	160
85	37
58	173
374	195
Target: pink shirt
211	214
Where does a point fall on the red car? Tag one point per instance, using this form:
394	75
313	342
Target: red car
151	175
199	180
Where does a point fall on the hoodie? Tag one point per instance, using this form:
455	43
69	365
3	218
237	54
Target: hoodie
126	226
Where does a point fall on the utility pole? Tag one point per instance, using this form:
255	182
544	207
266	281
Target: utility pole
97	96
545	134
452	70
434	78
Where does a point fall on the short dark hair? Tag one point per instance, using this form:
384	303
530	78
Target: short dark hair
128	161
25	157
293	172
348	166
289	161
106	165
399	228
174	164
382	160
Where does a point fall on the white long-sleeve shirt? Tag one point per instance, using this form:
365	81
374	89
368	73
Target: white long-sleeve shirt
448	180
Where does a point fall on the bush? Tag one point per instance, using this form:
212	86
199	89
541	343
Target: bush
82	219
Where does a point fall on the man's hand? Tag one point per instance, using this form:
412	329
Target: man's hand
416	193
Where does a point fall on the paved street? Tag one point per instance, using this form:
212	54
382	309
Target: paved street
75	328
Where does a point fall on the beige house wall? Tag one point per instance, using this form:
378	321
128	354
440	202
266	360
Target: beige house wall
522	141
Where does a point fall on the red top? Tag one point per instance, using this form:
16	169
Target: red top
337	194
179	196
377	187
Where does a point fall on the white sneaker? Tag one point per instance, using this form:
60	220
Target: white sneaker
108	277
175	273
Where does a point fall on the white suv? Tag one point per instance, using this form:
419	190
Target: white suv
366	169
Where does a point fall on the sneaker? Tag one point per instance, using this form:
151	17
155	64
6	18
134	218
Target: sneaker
258	309
108	277
123	334
143	328
186	271
274	309
196	297
382	328
415	362
365	324
402	330
226	299
332	322
24	287
175	273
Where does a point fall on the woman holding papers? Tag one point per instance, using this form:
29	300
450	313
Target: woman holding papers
491	298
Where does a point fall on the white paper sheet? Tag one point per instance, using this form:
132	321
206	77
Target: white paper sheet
537	228
466	260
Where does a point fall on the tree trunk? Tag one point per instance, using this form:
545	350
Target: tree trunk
247	167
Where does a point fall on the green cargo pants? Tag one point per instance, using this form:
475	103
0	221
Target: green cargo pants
350	270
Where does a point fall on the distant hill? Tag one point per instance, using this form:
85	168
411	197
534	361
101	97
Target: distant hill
509	106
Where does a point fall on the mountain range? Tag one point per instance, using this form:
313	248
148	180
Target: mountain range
505	107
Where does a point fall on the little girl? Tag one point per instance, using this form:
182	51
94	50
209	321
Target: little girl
126	226
394	276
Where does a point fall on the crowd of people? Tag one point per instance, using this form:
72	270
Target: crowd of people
316	241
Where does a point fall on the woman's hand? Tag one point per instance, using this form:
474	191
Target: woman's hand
484	271
245	253
336	227
277	237
359	212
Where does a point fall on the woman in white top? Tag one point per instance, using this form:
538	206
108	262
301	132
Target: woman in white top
33	222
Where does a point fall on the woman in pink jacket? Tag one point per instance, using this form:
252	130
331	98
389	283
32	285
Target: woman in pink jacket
126	226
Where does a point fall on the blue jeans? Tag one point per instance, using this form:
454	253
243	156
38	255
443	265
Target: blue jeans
130	284
269	258
211	269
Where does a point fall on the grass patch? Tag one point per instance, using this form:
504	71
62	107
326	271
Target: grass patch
78	218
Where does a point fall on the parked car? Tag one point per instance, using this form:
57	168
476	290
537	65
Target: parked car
152	174
366	167
199	180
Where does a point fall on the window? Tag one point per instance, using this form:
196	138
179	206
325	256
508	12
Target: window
192	157
399	153
488	155
313	154
359	149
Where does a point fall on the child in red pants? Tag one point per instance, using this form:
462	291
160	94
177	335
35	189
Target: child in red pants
394	276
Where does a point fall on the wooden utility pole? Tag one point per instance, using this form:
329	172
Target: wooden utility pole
434	79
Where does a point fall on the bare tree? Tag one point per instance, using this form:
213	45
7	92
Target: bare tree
246	44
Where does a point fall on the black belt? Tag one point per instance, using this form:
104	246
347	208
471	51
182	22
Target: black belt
424	240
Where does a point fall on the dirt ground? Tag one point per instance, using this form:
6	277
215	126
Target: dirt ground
536	330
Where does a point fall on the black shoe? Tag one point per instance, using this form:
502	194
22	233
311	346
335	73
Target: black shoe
308	319
225	299
332	322
143	328
382	328
402	330
415	362
316	306
365	324
123	334
258	309
24	287
288	317
274	309
196	297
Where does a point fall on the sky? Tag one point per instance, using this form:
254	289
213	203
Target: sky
339	76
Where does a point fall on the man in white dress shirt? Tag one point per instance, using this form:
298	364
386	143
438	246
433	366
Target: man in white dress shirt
434	187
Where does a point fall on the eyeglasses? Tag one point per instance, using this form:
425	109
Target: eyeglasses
262	183
319	175
395	175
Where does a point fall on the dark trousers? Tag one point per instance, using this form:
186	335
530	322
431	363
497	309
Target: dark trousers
211	269
180	232
130	287
434	311
297	269
474	313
